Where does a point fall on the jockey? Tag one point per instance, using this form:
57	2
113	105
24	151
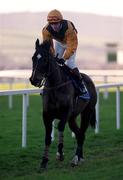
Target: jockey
65	35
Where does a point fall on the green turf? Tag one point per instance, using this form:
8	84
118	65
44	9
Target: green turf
103	152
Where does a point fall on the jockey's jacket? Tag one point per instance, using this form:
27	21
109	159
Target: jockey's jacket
67	36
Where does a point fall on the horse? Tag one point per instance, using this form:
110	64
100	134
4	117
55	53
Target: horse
61	102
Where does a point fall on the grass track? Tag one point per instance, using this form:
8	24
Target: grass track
103	152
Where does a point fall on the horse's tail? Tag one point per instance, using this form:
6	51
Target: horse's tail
89	115
93	118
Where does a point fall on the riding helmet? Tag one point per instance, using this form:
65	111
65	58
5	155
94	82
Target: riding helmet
54	16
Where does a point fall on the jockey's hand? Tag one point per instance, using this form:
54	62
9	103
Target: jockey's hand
61	61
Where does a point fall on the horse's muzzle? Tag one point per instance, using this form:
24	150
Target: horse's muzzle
34	82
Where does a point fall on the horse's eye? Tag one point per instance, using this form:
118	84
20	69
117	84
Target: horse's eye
38	56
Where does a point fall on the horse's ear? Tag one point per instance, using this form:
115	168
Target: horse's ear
37	44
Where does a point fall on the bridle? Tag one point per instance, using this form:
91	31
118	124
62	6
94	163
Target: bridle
44	76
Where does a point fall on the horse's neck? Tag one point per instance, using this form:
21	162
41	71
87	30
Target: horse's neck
57	76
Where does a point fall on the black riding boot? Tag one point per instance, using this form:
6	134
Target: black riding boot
83	90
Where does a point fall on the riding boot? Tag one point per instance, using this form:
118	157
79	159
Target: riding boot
82	88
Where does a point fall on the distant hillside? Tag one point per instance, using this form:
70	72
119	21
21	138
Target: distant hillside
87	24
18	32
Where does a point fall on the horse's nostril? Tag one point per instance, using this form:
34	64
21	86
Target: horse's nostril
34	82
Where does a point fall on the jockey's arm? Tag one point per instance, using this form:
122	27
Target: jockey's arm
71	42
47	37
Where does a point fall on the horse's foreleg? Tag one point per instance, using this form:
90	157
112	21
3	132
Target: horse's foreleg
48	131
60	153
61	127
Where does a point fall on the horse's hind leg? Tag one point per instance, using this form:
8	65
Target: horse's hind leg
74	127
80	137
85	119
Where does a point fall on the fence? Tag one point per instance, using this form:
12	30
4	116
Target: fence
26	92
12	77
97	78
108	86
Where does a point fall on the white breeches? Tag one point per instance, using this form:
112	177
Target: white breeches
60	49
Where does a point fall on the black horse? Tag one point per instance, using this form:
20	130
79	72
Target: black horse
60	101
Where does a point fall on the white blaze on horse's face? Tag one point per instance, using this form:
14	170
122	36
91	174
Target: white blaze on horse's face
39	56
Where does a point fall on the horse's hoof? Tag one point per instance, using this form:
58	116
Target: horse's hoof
81	160
44	163
76	161
43	166
60	157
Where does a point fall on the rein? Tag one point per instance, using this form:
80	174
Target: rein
56	87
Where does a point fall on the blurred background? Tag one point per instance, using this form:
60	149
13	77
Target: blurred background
99	24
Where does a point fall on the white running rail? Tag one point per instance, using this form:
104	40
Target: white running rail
117	86
26	92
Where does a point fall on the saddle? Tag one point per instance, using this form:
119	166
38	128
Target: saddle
78	82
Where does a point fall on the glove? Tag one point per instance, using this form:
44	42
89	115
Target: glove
61	61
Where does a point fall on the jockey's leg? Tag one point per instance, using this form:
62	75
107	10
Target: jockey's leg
59	49
71	61
83	93
83	90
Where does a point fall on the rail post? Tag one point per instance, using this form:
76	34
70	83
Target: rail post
118	108
24	121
